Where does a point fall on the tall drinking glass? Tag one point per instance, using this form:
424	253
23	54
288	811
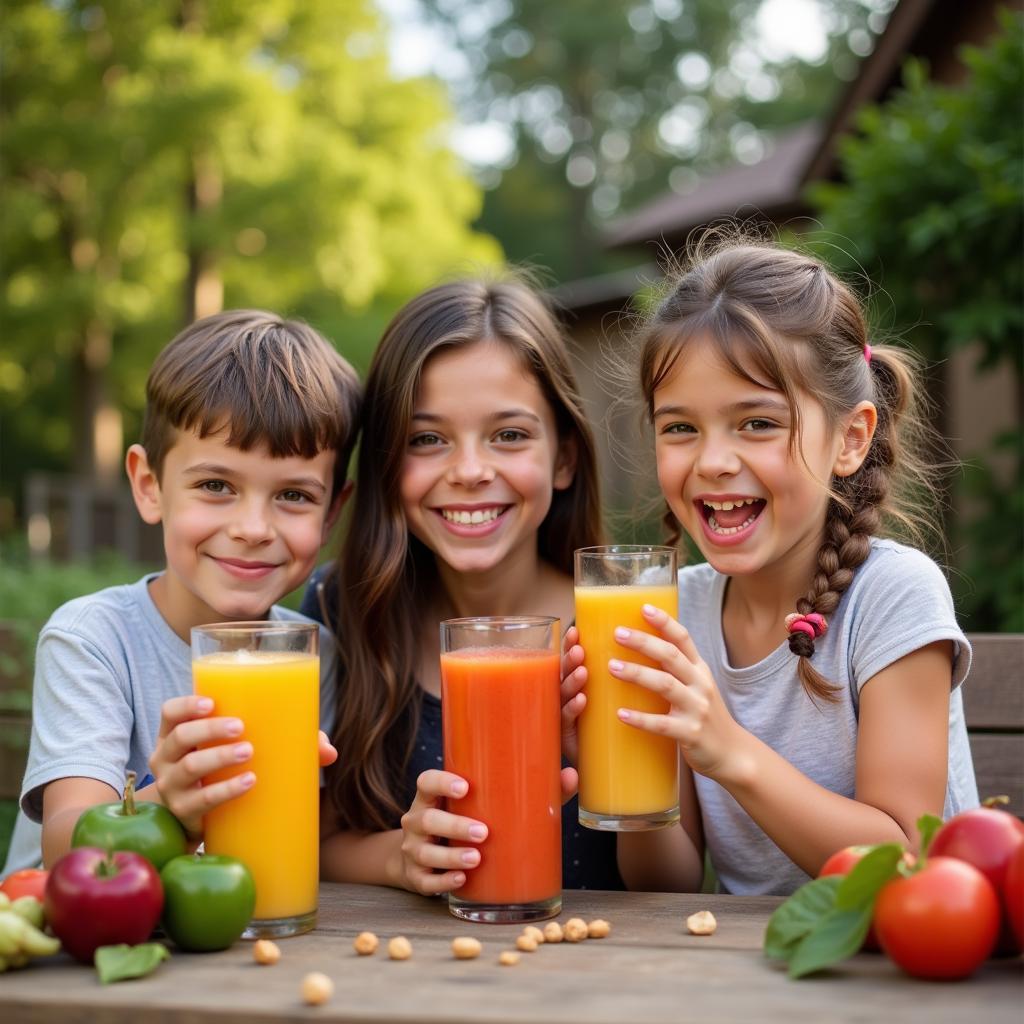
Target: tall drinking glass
268	675
500	680
629	779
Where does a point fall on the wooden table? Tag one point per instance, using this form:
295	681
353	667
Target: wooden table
648	970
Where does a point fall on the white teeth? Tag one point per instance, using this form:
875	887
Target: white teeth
726	530
464	518
728	506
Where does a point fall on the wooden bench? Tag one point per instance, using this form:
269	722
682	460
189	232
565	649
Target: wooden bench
994	709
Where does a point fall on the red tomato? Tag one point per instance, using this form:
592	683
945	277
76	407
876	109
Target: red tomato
840	863
983	837
29	882
941	921
1013	894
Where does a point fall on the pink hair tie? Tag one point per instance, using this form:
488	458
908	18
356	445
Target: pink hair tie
813	624
867	353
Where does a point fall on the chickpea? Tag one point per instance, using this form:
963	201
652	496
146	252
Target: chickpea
316	988
508	958
365	943
266	952
702	923
399	948
575	929
598	929
527	943
465	948
553	932
535	933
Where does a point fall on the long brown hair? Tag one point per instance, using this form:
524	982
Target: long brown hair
781	319
385	574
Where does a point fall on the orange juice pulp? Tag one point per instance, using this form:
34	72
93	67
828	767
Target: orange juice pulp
623	771
502	735
274	827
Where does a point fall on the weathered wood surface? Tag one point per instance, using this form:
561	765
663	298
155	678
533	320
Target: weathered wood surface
649	970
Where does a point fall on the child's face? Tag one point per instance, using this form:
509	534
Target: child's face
482	458
721	439
241	529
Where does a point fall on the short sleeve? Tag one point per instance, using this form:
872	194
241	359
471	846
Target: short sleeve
82	719
902	604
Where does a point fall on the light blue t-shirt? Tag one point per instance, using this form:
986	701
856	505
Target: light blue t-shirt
105	664
898	602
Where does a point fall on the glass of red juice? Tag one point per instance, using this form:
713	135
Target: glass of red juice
500	679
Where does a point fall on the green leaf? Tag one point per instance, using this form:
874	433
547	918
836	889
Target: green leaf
927	826
118	963
838	935
799	915
860	887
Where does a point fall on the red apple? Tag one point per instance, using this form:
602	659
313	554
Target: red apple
841	863
94	898
1013	894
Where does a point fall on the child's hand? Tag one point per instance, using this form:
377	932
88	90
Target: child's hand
574	676
698	718
178	766
428	867
327	751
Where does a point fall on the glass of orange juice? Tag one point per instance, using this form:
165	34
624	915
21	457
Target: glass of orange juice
500	680
629	779
268	675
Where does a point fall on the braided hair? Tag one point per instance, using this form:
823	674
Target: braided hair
780	318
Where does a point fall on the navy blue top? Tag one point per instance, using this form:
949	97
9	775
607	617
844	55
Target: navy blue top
588	856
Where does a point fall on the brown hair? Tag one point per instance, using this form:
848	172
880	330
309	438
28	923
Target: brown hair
781	319
385	573
272	381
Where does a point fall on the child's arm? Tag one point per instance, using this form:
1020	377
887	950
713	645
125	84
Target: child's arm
901	747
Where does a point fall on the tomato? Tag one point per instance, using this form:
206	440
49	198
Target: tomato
983	837
145	828
95	898
840	863
1013	894
209	899
939	922
29	882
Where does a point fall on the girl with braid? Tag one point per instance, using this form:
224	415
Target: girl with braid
813	684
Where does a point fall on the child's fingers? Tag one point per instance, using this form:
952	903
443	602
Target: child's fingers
672	630
188	735
435	783
572	684
571	711
429	883
570	781
181	709
664	684
664	653
572	658
435	822
446	858
660	725
328	753
189	806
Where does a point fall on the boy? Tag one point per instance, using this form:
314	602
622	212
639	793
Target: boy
249	424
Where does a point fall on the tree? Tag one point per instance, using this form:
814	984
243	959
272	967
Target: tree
163	157
931	201
613	101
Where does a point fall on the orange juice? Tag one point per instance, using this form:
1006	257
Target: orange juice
274	827
502	735
624	772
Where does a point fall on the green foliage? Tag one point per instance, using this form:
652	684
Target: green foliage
264	142
930	202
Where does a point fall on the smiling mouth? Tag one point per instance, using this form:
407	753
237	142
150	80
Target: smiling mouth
465	517
729	517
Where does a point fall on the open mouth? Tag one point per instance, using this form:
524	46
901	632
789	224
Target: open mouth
729	517
474	517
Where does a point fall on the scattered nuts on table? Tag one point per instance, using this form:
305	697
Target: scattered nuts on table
266	952
508	958
575	929
598	929
365	943
399	948
317	988
553	932
535	933
464	948
702	923
527	943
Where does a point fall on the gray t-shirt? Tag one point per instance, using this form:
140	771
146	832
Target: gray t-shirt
105	664
899	601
